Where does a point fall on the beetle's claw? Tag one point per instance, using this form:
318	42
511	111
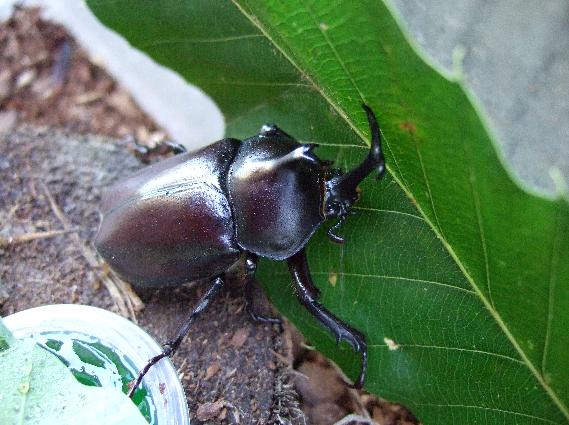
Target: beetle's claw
165	353
359	344
359	383
261	319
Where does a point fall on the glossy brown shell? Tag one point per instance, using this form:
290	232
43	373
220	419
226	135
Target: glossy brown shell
171	222
276	189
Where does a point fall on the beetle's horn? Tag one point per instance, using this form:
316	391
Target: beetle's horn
374	160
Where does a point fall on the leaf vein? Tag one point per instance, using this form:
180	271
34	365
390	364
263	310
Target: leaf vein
492	409
379	210
427	183
466	350
552	285
255	83
160	43
480	223
336	54
408	279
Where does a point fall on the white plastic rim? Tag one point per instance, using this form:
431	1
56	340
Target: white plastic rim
123	336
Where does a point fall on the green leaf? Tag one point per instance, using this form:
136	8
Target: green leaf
38	389
458	277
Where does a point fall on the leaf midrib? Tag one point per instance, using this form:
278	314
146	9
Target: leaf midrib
564	409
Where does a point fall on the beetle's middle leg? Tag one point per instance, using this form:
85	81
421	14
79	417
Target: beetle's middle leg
298	267
170	346
250	269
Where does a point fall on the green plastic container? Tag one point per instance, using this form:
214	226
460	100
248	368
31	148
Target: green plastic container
104	349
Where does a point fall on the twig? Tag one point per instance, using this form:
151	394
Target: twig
282	358
11	212
27	237
133	301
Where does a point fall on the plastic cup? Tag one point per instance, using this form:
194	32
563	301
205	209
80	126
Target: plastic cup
121	336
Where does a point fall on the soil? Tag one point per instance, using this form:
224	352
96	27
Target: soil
49	80
50	180
52	184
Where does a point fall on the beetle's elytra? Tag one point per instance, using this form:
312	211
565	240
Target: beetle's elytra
193	215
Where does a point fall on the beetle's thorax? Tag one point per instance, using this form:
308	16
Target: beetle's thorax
275	187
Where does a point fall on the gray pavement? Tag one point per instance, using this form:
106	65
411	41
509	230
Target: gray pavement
516	63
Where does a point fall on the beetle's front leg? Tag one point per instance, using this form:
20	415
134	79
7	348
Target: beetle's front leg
170	346
250	269
298	267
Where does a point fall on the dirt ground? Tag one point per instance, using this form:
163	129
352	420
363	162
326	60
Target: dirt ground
50	184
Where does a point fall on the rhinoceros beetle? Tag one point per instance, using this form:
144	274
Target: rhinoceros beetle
193	215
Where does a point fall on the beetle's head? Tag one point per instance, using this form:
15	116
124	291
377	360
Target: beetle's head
342	189
338	201
339	198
